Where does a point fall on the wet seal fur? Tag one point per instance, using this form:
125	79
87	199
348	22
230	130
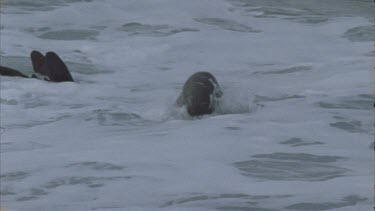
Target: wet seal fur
11	72
200	94
50	65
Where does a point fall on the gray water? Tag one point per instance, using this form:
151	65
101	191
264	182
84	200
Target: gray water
294	130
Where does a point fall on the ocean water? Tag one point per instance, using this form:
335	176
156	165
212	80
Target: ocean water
294	129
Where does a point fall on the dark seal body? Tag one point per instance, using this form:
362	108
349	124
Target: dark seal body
39	62
56	68
199	94
6	71
50	65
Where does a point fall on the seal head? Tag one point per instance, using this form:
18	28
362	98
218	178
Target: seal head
200	94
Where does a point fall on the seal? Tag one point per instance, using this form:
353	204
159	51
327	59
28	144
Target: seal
56	68
200	94
6	71
49	65
38	61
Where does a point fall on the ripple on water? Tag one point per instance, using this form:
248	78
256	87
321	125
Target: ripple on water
35	102
18	146
225	201
89	181
8	102
296	142
32	5
309	19
304	9
141	87
33	194
86	69
226	24
70	34
260	98
291	166
161	30
33	123
39	5
349	126
243	208
112	118
267	9
350	200
300	157
6	192
233	128
74	1
360	34
358	102
14	176
294	69
197	198
38	29
92	165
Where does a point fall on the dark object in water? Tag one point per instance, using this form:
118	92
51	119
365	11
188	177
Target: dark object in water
39	62
50	65
6	71
56	69
199	94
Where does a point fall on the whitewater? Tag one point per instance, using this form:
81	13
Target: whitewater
294	130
